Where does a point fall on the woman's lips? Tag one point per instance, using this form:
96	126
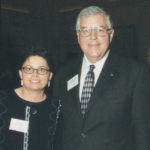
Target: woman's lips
34	81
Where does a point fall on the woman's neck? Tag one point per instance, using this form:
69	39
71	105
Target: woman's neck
32	96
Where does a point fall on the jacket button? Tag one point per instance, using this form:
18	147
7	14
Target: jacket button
83	135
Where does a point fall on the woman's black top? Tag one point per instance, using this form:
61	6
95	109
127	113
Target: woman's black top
26	125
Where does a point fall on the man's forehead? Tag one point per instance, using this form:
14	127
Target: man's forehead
95	27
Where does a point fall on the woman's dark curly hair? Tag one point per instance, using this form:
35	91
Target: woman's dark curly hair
33	51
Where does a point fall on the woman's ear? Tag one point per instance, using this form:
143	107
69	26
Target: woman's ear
20	74
50	75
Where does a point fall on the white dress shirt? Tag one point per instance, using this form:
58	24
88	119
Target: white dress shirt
97	71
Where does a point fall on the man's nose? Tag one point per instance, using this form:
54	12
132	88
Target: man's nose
93	34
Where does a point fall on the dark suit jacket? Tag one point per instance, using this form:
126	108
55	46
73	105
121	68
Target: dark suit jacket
118	114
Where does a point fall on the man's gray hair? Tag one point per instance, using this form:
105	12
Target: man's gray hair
91	11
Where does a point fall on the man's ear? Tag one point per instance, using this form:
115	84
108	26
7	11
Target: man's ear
111	35
78	38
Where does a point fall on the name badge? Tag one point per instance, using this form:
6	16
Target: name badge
72	82
19	125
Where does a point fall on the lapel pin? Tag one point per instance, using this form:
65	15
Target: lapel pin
111	74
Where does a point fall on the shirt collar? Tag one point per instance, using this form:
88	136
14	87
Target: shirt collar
87	63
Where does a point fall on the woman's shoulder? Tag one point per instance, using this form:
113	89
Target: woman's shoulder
55	103
5	97
3	107
54	116
3	94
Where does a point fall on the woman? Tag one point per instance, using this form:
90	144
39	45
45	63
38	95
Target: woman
28	117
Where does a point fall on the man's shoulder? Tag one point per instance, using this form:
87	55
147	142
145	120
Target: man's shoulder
125	60
74	61
126	63
71	64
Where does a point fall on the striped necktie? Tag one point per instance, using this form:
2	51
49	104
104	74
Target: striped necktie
87	89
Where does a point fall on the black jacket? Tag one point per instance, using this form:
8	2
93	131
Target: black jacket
118	114
42	117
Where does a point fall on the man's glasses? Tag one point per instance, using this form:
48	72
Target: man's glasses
30	70
100	31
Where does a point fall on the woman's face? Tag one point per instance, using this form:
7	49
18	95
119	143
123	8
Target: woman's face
36	80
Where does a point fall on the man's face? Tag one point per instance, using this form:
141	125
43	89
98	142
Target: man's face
94	46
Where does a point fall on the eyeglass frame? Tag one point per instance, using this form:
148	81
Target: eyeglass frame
90	29
34	69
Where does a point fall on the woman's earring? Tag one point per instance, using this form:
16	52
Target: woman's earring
49	83
21	82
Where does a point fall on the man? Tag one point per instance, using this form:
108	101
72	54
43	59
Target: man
108	106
